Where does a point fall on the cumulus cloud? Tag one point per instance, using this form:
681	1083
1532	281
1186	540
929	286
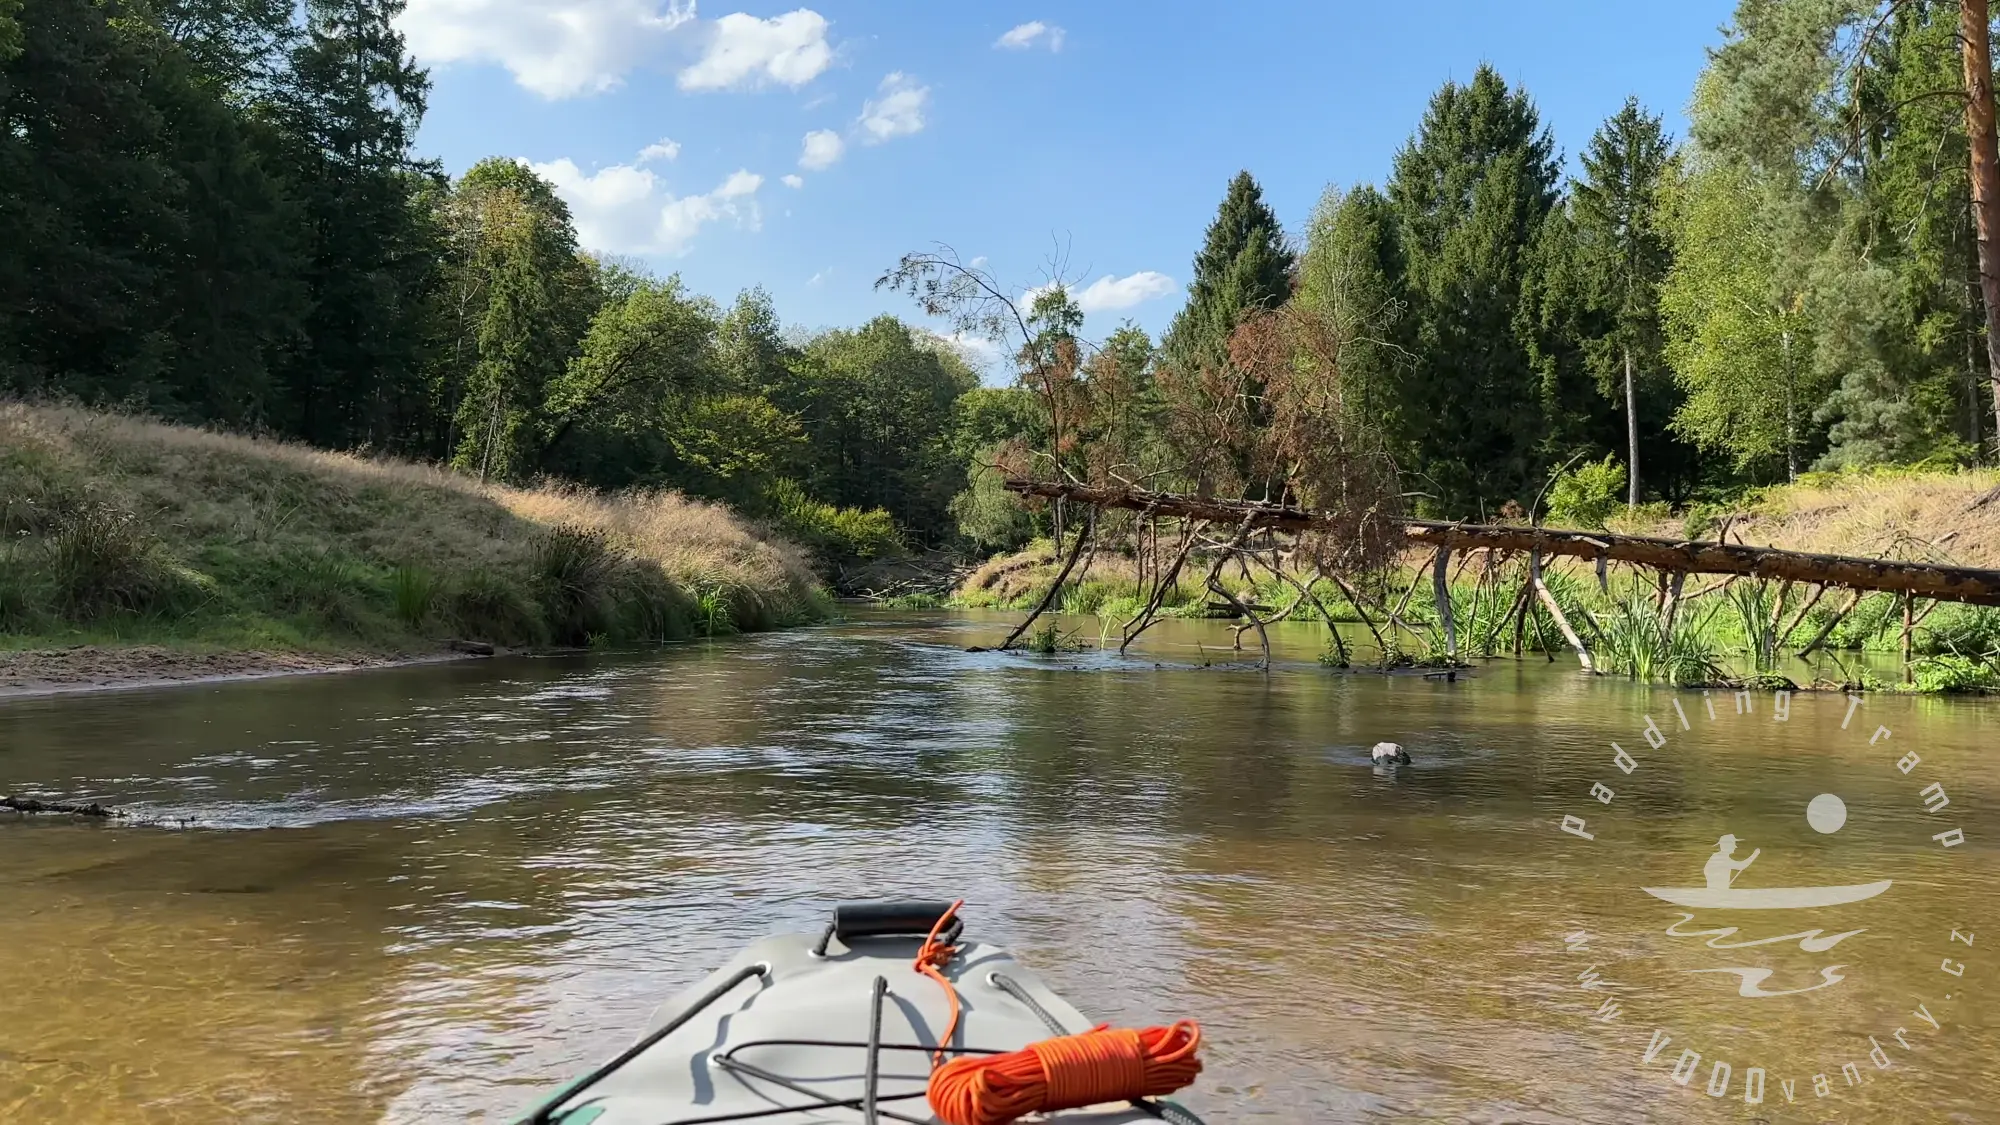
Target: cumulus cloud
745	52
1108	293
624	209
821	149
556	48
663	149
564	48
793	182
897	110
1030	34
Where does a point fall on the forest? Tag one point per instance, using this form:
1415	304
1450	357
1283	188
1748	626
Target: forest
216	215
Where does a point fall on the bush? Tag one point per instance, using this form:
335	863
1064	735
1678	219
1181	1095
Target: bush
988	516
331	587
1589	494
650	607
486	607
416	593
1958	630
711	612
1953	674
576	573
837	535
18	595
100	560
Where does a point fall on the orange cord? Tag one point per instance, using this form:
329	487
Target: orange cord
1102	1065
933	954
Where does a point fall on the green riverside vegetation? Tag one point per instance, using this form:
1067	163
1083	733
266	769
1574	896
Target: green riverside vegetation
115	530
215	216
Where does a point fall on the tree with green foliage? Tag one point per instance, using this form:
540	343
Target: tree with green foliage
151	248
1243	264
1625	256
520	297
1350	299
1735	311
349	105
1470	193
1854	116
878	414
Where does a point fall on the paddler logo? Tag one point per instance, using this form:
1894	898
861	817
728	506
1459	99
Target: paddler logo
1720	893
1752	932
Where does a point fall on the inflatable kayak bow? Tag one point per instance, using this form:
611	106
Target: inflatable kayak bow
841	1027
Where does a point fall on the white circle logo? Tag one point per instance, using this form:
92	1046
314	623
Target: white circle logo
1764	948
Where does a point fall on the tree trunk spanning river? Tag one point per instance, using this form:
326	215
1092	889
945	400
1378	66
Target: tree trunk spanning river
427	894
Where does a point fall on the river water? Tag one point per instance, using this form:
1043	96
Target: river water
426	894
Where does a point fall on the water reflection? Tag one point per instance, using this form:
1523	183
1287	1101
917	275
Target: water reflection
433	891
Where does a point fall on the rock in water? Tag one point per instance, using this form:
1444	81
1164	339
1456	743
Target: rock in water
1389	754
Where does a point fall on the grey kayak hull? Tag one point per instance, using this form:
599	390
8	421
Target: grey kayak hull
741	1054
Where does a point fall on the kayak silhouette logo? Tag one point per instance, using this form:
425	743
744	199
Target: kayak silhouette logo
1745	933
1719	892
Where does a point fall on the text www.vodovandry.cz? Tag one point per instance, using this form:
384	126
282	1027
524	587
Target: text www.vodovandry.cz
1826	814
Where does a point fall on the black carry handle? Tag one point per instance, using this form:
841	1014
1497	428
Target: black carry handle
856	920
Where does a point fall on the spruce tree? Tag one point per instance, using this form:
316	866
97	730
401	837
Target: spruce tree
350	104
1470	192
1243	264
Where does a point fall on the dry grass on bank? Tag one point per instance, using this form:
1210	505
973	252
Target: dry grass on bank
1893	513
122	530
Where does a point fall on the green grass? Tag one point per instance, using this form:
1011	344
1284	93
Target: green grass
115	531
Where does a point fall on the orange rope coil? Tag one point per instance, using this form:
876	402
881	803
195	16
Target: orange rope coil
1102	1065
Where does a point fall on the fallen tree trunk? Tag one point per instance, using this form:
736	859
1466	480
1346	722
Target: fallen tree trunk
1972	585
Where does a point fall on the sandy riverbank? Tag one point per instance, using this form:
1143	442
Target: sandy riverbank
57	671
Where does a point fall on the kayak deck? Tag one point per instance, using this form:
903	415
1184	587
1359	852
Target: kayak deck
784	1038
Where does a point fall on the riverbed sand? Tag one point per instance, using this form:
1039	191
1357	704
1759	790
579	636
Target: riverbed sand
97	667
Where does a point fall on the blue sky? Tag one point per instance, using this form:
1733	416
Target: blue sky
1105	131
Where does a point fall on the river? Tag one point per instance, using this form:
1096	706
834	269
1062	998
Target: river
426	894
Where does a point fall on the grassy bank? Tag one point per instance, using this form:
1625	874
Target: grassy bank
119	531
1889	512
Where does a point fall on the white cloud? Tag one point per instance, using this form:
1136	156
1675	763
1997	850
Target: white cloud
556	48
979	353
793	182
897	111
821	149
977	262
818	279
1024	36
665	148
625	209
1107	293
744	51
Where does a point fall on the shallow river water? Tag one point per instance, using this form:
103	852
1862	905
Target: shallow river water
427	894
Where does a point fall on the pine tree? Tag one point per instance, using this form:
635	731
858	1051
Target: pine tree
1469	193
1243	264
1625	256
350	106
